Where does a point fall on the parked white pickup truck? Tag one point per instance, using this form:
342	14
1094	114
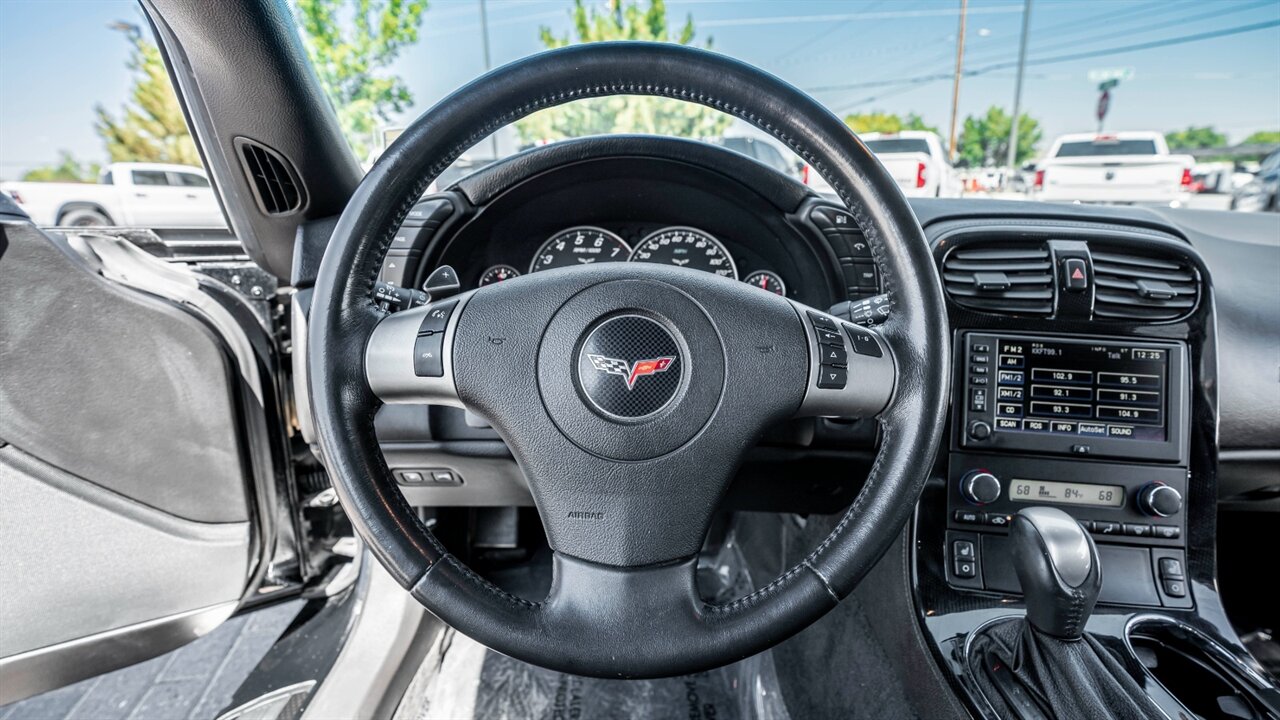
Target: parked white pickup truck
1121	168
127	194
916	159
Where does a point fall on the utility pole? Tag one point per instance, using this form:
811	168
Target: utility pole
955	87
1017	87
488	64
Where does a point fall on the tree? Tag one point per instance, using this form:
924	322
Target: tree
68	169
351	59
984	140
620	20
1195	138
882	122
1263	137
150	127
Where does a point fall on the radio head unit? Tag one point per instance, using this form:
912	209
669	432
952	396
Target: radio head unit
1080	396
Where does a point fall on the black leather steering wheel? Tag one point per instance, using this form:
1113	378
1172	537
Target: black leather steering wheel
628	393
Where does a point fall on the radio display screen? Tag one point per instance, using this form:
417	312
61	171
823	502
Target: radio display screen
1083	389
1067	493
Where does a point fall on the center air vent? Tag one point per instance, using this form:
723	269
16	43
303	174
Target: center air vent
1001	277
1141	284
274	182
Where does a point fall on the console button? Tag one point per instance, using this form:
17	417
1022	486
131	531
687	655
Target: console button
963	550
978	400
1171	569
1137	530
831	377
410	477
968	517
981	348
428	355
1075	275
1102	527
864	343
834	355
980	359
1174	588
997	519
1167	532
979	380
965	568
979	430
444	477
1086	524
978	370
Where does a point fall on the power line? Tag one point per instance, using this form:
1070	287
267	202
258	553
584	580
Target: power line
836	17
1209	35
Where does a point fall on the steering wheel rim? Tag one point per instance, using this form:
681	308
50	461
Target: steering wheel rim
639	618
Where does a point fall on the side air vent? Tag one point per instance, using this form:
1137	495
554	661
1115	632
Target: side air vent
1141	284
1001	278
274	182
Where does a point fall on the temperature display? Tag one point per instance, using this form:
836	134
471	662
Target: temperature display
1035	491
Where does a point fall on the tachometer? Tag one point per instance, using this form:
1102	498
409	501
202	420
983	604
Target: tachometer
497	274
767	280
580	246
686	247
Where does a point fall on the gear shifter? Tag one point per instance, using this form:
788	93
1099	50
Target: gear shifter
1057	564
1046	666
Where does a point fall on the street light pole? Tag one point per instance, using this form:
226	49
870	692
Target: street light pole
955	87
1017	86
488	65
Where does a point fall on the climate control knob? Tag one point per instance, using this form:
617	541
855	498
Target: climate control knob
980	487
1159	500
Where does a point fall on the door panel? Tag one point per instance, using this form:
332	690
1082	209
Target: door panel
131	515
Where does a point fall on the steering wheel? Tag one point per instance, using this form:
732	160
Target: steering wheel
628	393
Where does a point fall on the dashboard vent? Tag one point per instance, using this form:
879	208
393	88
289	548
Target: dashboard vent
1142	285
275	185
1001	278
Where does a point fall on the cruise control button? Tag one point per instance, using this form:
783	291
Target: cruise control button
864	343
437	318
832	378
428	355
834	355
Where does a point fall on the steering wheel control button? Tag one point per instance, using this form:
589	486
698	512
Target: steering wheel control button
629	367
822	322
428	355
864	342
835	355
437	318
831	377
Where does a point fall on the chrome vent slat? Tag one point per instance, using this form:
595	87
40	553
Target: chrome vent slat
1001	278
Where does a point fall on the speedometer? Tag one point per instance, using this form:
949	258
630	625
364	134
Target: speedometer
686	247
580	246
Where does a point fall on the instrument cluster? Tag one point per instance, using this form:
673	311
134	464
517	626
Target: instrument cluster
681	246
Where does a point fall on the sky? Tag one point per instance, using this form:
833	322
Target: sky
58	59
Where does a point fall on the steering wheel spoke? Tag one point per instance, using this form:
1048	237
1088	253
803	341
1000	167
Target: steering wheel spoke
409	355
852	372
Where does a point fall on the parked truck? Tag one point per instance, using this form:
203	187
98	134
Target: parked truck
126	194
916	159
1126	168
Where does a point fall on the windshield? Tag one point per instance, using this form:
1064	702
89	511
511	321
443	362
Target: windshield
997	81
1106	147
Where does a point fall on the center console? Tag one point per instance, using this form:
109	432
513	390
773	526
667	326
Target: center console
1084	386
1086	408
